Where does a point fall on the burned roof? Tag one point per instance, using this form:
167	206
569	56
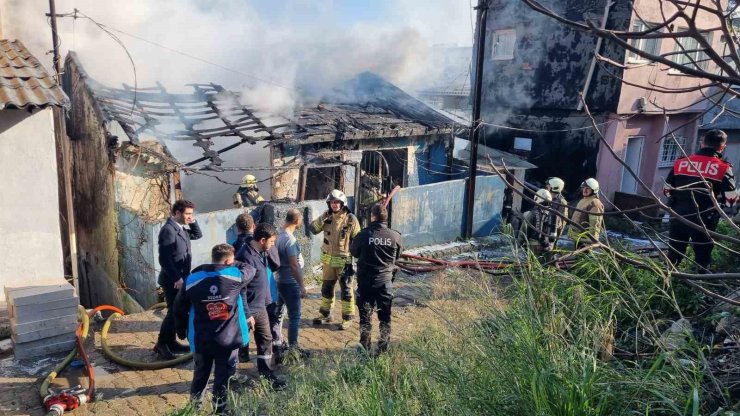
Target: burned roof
366	107
24	82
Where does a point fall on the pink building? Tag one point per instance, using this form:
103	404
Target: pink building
644	117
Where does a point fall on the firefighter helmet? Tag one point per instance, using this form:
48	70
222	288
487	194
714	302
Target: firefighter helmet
249	180
337	195
556	184
543	195
591	184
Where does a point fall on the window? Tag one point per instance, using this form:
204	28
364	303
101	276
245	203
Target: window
687	53
651	46
503	44
670	151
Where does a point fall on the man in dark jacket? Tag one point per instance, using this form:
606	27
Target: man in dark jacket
377	248
690	186
175	257
210	310
245	226
259	295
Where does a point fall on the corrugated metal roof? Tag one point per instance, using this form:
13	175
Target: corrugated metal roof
24	82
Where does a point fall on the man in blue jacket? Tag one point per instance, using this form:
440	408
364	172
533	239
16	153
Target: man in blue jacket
211	309
259	294
175	257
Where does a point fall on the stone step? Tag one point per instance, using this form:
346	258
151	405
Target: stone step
29	313
37	295
46	346
51	327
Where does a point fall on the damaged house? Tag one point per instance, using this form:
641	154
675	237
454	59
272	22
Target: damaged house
365	137
535	70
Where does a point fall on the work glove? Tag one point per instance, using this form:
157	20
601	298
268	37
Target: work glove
348	273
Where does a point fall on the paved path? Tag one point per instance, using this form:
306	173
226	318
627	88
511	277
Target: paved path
124	391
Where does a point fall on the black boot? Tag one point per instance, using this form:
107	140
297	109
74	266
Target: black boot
178	348
164	352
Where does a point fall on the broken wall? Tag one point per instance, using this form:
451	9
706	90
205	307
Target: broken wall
93	170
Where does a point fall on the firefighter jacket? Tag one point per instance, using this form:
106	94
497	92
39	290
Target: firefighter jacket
245	197
210	306
557	223
537	229
688	192
377	248
339	229
590	222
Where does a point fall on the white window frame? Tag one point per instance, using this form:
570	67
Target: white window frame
669	151
643	44
503	51
700	58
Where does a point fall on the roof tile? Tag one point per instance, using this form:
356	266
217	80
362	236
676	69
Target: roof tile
24	82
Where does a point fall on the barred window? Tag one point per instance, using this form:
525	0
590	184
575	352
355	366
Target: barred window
670	151
503	44
651	46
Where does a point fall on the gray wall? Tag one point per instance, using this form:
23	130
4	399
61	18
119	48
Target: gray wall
433	214
31	243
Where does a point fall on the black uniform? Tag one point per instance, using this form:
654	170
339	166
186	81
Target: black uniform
210	309
689	197
377	248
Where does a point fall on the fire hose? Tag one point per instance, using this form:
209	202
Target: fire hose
69	399
426	264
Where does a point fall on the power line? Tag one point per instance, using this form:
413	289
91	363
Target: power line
179	52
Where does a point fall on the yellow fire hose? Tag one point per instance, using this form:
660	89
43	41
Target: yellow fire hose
150	365
44	389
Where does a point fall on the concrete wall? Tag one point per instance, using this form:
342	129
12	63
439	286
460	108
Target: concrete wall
658	74
432	214
137	247
30	242
652	127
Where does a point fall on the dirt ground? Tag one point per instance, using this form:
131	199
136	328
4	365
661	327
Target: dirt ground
127	391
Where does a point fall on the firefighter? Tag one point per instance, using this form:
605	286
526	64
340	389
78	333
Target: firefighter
370	195
377	248
588	214
534	228
557	223
690	196
339	227
248	194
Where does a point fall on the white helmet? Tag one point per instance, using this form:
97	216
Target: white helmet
543	195
592	184
556	184
337	195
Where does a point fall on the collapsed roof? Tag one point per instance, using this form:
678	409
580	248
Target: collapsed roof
365	107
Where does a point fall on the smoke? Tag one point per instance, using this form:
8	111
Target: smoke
277	54
274	54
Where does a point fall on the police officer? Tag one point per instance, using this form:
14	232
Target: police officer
689	196
212	303
248	194
536	228
339	227
377	248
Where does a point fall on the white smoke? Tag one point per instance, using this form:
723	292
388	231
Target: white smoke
274	53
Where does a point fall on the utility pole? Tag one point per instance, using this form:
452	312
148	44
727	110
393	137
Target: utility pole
475	127
64	147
